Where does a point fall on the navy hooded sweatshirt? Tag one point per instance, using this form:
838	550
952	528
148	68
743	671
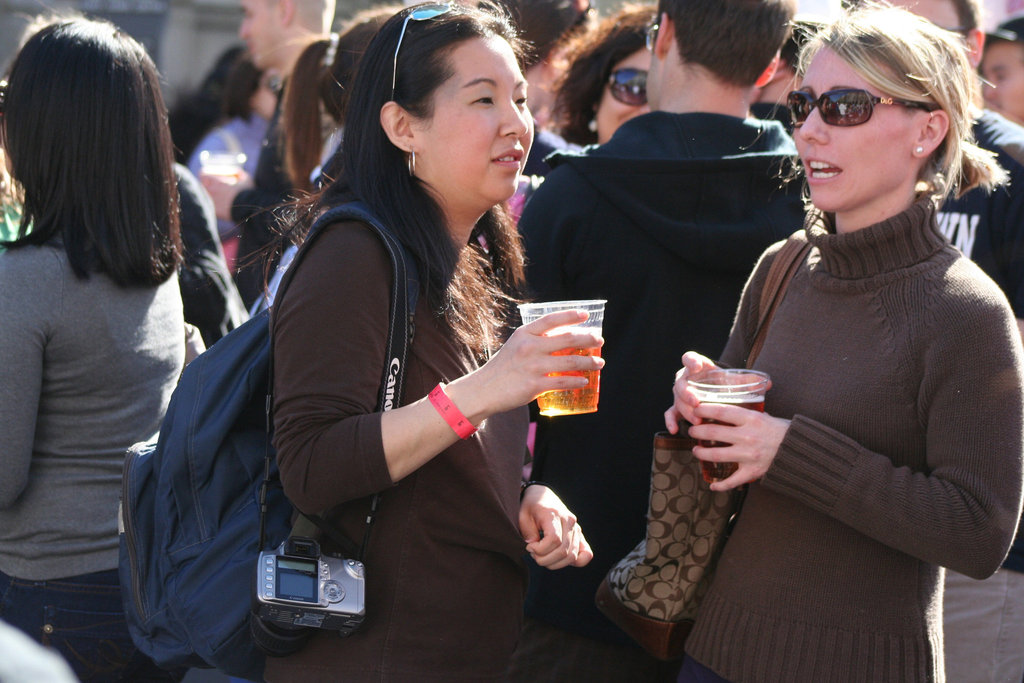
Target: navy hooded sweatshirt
666	222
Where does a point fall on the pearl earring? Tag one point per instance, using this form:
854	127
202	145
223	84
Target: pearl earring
592	126
919	150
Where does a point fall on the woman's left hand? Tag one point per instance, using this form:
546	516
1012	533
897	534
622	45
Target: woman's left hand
749	437
553	537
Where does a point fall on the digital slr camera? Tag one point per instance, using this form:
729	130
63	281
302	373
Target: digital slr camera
298	587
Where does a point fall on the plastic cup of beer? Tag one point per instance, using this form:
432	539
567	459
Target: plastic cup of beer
743	388
225	165
571	401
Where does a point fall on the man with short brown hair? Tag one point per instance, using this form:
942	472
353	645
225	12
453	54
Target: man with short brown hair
665	221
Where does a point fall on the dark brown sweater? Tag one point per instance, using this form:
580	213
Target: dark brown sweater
444	572
900	365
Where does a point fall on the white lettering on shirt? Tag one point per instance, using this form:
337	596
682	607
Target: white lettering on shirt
959	228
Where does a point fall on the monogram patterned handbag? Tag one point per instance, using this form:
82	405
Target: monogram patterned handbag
654	593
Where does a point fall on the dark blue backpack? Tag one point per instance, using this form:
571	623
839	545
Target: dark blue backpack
190	504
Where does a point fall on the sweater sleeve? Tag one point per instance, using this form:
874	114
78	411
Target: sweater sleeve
30	298
961	510
329	336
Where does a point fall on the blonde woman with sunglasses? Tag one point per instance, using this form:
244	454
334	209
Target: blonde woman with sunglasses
891	442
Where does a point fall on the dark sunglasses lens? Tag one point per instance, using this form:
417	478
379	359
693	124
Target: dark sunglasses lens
629	86
800	105
845	107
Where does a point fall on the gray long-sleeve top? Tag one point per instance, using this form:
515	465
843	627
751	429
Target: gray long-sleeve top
86	370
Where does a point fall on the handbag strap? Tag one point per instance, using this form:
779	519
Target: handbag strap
782	270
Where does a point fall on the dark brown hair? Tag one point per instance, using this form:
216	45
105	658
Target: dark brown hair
87	137
328	72
735	40
544	23
241	84
592	56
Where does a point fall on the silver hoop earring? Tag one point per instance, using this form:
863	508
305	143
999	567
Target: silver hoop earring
411	161
919	150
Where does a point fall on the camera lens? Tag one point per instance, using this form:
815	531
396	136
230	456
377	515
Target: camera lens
277	640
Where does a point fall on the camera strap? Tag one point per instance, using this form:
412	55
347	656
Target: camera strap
401	328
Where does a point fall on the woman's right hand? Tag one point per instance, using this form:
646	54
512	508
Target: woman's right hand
684	401
525	368
519	372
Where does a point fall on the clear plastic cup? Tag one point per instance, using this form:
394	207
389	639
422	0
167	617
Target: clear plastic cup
740	387
571	401
225	165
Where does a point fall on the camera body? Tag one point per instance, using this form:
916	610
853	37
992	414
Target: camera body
297	586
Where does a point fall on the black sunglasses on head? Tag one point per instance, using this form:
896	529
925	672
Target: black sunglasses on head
843	107
629	86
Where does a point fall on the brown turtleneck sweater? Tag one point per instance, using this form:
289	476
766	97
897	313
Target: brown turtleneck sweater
900	365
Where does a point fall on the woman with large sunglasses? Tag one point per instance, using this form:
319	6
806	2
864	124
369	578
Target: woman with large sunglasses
891	442
436	135
606	82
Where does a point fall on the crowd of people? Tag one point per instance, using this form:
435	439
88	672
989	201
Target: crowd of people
654	156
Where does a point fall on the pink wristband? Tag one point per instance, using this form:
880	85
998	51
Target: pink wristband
462	427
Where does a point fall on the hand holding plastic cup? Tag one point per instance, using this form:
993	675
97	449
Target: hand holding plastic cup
739	387
226	165
571	401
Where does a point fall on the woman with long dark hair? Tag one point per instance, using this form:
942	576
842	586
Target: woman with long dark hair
436	134
92	339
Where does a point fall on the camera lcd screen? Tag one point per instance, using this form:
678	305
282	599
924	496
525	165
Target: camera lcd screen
297	580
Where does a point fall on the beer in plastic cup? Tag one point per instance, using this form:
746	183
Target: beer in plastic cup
744	388
226	165
571	401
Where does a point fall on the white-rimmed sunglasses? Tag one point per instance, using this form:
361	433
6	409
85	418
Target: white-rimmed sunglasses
421	13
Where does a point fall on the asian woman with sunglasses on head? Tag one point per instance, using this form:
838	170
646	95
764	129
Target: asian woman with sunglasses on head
606	83
891	442
436	134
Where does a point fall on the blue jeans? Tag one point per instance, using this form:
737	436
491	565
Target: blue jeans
82	618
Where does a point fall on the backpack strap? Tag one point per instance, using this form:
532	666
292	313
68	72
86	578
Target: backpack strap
787	262
400	334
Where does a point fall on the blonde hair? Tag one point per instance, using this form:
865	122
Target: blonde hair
907	57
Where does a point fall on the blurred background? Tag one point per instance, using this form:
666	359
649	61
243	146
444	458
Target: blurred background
186	36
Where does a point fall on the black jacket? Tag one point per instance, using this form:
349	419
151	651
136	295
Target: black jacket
665	221
210	298
258	211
